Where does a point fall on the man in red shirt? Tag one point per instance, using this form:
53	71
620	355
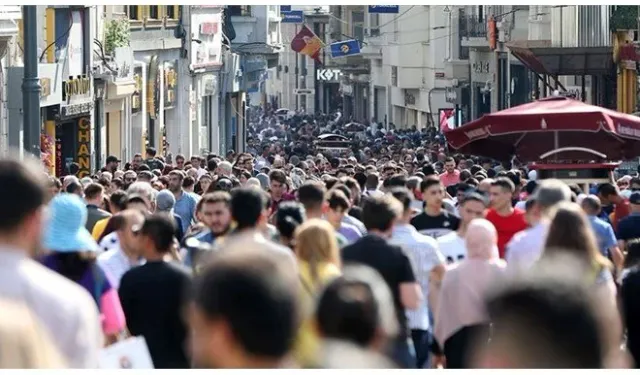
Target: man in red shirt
451	176
507	220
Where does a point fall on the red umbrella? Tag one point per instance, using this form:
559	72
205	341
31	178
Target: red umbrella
554	128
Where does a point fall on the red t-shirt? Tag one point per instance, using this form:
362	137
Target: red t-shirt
506	226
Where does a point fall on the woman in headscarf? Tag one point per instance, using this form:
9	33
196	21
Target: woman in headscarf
461	316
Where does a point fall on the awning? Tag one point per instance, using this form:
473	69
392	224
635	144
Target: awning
541	57
120	90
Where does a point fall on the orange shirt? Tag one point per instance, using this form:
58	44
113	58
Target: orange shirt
506	226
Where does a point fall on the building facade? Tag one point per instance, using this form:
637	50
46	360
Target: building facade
10	18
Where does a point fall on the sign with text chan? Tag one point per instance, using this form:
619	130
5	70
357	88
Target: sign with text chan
84	145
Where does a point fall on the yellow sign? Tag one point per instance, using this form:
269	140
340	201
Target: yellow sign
75	86
84	143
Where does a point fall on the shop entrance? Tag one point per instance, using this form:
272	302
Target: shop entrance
66	135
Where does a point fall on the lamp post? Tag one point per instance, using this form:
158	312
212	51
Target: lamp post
30	83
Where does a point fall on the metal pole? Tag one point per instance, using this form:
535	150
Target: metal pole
30	83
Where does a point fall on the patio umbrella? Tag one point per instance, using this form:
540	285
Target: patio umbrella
554	128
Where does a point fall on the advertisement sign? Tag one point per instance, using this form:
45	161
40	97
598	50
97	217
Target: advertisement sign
294	16
328	74
136	97
170	83
208	51
153	80
84	145
76	96
388	9
123	58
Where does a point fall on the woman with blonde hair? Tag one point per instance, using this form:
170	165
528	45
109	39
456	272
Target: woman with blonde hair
461	317
316	248
25	344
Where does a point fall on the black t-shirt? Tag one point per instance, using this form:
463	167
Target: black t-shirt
152	298
630	293
390	261
436	226
629	228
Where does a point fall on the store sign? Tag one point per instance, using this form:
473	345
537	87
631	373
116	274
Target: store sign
74	87
123	58
170	83
152	88
69	40
388	9
209	51
294	16
73	110
84	145
136	97
328	74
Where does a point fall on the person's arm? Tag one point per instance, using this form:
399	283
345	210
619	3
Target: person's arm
435	283
410	292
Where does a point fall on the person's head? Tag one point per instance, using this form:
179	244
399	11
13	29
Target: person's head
165	201
289	216
608	193
449	164
75	188
403	195
94	194
472	206
214	211
337	207
501	192
205	182
225	169
188	184
227	331
591	205
633	253
151	152
547	196
634	184
545	321
380	214
315	242
117	201
179	161
571	232
112	163
277	182
142	197
485	186
249	208
311	194
432	192
175	181
634	202
372	182
481	239
155	237
357	307
125	222
22	197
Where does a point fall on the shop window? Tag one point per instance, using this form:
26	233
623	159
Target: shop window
394	76
154	12
172	12
239	10
134	12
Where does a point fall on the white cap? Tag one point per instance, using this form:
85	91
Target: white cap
533	175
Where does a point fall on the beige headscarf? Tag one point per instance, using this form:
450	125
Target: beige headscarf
481	239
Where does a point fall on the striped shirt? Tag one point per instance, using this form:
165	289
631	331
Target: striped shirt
424	254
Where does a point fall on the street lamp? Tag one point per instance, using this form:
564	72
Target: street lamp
31	84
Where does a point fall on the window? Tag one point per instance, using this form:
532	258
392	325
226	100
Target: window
357	25
133	11
154	12
239	10
375	24
172	12
394	76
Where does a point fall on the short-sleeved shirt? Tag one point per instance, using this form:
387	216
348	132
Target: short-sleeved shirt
506	226
436	226
629	227
390	261
185	207
604	234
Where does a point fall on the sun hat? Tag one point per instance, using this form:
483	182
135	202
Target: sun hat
65	230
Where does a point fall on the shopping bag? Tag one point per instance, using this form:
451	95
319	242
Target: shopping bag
130	353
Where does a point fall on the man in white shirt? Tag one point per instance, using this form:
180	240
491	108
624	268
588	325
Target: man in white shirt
451	245
428	267
526	247
64	309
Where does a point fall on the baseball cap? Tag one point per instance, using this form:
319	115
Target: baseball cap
635	198
113	159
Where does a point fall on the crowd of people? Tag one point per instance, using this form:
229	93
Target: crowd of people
395	254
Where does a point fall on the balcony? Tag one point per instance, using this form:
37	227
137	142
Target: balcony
473	32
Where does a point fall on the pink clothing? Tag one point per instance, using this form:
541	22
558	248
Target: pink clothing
113	321
449	179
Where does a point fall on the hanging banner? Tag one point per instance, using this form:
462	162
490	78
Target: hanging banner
136	97
170	83
152	88
388	9
345	48
294	16
307	43
84	145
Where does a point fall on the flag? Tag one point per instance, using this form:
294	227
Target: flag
307	43
345	48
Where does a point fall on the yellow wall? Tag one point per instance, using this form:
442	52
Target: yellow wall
113	134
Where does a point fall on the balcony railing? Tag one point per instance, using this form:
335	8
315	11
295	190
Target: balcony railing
473	27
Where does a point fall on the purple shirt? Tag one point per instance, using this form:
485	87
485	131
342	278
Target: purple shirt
350	232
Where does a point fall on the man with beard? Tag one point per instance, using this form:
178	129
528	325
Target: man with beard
214	211
185	203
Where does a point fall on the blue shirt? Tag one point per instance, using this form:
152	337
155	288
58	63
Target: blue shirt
604	234
185	207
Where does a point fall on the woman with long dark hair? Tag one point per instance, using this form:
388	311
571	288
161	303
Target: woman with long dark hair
72	253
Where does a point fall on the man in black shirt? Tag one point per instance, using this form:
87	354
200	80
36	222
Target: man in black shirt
380	214
152	295
434	221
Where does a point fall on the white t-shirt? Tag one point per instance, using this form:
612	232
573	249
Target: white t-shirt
452	247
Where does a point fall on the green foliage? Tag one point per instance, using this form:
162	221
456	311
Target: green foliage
624	17
117	34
